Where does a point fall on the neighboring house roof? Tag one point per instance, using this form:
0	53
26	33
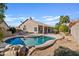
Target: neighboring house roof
40	23
5	24
37	22
73	23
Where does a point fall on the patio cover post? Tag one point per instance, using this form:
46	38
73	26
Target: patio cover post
43	29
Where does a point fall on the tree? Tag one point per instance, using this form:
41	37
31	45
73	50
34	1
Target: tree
64	19
57	26
1	34
63	28
61	25
3	7
12	29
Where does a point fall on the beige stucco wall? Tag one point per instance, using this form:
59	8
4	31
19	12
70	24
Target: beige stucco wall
3	25
29	26
75	31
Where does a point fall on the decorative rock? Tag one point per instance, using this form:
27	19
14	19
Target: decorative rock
23	51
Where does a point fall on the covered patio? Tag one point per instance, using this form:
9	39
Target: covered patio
44	29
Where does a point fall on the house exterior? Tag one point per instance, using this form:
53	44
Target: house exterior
4	25
74	26
30	25
5	28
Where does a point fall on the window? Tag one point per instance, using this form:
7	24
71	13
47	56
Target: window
24	27
35	28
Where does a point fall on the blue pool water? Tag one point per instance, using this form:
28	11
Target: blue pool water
30	41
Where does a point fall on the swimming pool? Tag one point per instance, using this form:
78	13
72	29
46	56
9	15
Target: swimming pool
29	41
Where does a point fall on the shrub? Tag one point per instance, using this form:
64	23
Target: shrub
1	34
63	28
12	29
57	27
62	51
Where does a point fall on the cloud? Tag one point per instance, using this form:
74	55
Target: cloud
13	23
47	17
15	20
50	18
51	23
7	15
10	19
74	13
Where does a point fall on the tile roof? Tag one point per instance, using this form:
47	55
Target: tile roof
73	23
37	22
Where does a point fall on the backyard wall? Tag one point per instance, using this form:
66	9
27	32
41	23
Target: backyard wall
75	31
4	25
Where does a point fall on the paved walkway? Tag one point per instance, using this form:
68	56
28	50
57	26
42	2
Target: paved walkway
2	46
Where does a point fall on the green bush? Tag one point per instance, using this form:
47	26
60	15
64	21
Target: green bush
12	29
57	26
63	28
63	51
1	35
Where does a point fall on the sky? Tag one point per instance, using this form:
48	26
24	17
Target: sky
47	13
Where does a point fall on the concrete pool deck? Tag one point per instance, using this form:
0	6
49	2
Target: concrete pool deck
56	36
68	42
46	44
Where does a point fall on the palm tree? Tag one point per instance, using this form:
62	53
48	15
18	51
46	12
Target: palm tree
64	19
67	19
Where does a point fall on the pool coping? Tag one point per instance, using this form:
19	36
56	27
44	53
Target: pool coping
42	46
23	36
